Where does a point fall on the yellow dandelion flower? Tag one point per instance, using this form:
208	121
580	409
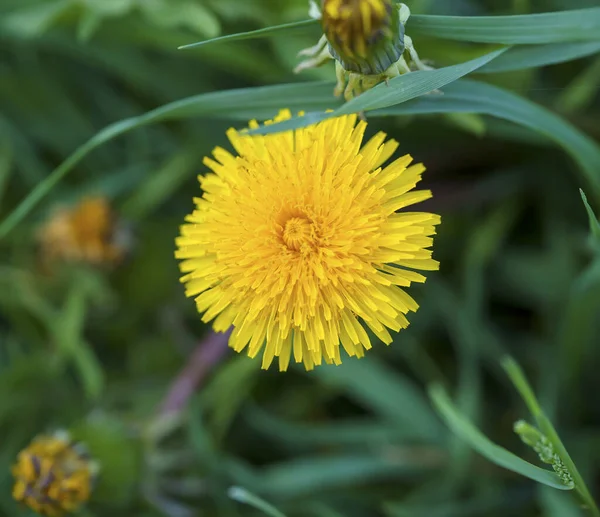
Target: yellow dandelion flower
88	232
53	475
298	241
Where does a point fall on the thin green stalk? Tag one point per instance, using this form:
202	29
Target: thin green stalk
45	186
518	378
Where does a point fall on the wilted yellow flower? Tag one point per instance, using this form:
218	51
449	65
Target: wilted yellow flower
367	40
298	243
88	232
53	475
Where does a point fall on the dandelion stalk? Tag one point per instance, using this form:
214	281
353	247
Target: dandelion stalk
207	355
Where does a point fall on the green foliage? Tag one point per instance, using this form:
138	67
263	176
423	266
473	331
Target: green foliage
95	98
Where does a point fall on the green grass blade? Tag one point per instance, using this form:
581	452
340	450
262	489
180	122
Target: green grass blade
259	33
530	29
517	377
264	100
399	90
496	454
533	56
594	223
474	97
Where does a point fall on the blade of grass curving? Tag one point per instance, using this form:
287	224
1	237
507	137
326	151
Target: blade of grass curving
530	29
496	454
259	33
532	56
316	95
562	26
475	97
399	90
594	223
520	382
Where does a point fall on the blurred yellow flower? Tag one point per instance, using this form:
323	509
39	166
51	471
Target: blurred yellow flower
298	243
88	232
53	475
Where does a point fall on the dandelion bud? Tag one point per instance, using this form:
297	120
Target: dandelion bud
365	36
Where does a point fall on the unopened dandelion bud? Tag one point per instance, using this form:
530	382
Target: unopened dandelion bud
365	36
367	40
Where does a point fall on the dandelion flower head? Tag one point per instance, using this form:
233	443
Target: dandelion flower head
53	475
298	244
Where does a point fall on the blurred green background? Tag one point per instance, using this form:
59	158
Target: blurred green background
96	351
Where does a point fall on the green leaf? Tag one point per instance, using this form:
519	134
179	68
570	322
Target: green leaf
35	19
70	341
575	25
6	166
306	476
496	454
474	97
594	223
532	56
558	504
244	496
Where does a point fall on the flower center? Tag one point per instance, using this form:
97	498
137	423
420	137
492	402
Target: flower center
297	233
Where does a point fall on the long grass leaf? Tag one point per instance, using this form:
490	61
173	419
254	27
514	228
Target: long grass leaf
496	454
530	29
533	56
